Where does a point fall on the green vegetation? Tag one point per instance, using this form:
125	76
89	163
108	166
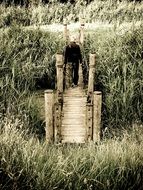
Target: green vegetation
27	67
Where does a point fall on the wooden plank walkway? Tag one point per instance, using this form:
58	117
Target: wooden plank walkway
73	129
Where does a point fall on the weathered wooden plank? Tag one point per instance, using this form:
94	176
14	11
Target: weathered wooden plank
66	133
68	123
49	110
74	111
72	118
73	108
97	116
74	133
73	140
74	100
74	125
66	127
70	138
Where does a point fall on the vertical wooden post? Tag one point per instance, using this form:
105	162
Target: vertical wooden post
91	73
97	104
59	102
65	33
89	121
80	80
68	75
49	109
89	105
82	31
59	66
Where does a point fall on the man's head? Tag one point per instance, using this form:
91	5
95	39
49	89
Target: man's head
73	38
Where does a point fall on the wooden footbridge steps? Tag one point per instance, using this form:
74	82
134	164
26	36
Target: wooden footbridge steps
73	127
73	115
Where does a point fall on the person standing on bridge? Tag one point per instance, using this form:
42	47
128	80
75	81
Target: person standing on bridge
72	58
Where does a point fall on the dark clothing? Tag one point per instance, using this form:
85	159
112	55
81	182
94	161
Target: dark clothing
75	68
72	54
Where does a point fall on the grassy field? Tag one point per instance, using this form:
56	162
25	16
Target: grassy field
27	67
108	10
27	163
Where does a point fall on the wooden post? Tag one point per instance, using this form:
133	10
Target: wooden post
89	121
59	101
91	73
59	66
49	108
82	31
58	122
65	33
68	75
97	104
80	81
89	105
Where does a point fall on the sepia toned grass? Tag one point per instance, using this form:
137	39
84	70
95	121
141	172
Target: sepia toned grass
27	163
27	65
56	12
118	73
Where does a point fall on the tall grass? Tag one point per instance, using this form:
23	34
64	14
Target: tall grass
14	15
27	164
118	74
54	11
28	63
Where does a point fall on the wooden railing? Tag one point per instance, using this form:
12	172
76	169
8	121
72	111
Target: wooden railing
93	106
54	105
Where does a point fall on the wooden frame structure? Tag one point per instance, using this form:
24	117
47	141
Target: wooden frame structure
54	100
54	106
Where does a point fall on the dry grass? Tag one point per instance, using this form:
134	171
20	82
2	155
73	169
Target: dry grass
112	164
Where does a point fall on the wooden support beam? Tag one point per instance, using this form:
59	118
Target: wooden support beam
59	67
68	75
65	32
59	98
81	31
58	122
89	106
89	121
91	73
49	112
97	104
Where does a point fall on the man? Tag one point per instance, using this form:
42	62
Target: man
72	58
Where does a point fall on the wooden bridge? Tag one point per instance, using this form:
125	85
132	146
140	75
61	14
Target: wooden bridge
73	115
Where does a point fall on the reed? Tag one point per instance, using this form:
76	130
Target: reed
26	163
